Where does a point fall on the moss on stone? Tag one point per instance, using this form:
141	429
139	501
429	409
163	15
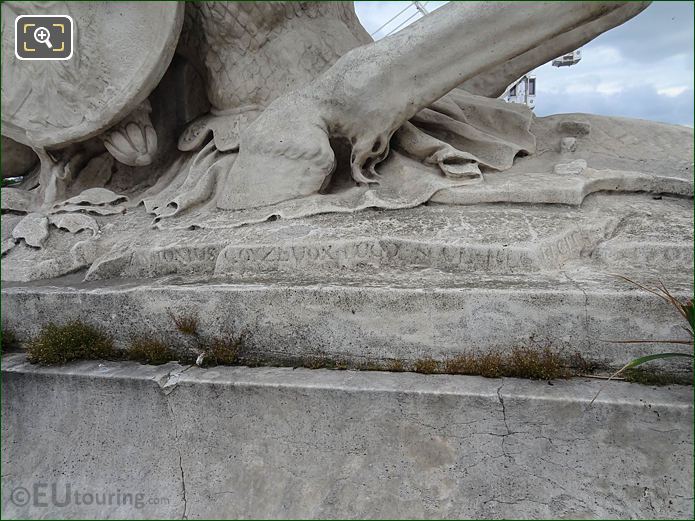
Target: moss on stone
651	377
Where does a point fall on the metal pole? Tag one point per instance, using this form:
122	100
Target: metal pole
421	7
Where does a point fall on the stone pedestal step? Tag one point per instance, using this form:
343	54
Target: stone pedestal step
128	440
367	319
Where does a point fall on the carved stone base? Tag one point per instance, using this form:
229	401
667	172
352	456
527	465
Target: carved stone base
638	235
431	281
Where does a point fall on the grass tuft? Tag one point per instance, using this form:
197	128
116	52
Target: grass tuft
221	351
395	366
186	324
9	340
314	363
542	364
72	341
427	366
150	351
489	365
532	363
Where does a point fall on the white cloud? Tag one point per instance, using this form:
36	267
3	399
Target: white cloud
672	92
573	88
603	56
609	88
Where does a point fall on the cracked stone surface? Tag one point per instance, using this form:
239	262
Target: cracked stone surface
283	443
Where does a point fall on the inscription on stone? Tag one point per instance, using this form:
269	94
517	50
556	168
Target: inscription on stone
375	253
182	260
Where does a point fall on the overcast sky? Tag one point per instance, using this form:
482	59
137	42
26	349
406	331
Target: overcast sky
642	69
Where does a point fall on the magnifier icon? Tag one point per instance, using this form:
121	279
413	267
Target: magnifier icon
43	35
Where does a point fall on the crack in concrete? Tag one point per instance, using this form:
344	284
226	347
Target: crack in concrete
504	409
168	383
183	474
506	425
183	487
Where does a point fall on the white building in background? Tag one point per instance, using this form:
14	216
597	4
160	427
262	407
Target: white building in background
571	58
522	91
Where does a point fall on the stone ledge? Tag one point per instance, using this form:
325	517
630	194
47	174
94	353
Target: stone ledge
368	320
272	442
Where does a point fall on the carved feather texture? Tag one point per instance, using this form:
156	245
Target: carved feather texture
244	46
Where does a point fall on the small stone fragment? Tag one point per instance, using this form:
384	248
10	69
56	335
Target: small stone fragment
33	229
75	222
568	144
575	167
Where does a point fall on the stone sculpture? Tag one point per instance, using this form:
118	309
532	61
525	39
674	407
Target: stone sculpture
215	114
264	180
